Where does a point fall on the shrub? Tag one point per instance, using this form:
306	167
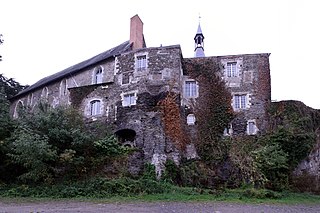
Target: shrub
272	161
33	151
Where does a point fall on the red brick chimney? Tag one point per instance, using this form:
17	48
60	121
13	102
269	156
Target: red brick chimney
136	32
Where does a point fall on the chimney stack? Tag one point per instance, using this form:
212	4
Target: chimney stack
136	33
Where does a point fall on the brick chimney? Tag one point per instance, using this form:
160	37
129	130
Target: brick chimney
136	32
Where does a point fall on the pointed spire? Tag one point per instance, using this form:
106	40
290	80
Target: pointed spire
198	39
199	31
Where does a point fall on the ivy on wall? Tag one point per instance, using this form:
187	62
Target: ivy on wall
172	120
212	109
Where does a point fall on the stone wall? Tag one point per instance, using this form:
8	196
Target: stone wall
254	82
57	92
139	125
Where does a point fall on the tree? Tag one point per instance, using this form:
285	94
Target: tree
10	87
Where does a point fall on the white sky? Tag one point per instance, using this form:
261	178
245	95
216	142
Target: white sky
42	37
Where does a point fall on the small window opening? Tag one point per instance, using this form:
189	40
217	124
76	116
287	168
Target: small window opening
191	119
98	75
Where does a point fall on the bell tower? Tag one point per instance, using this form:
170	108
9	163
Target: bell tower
198	43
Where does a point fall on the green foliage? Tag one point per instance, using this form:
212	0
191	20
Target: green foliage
197	174
149	172
9	86
272	162
55	144
171	173
6	123
296	145
260	193
110	147
33	152
212	109
240	153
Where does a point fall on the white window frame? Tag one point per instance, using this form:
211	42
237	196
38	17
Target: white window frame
97	75
129	98
232	70
95	107
141	62
240	101
190	89
191	119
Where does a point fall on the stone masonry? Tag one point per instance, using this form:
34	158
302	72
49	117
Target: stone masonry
123	86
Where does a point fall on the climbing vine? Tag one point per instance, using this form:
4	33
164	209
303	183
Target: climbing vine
171	118
212	109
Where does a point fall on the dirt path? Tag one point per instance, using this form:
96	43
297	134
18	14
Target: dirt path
140	207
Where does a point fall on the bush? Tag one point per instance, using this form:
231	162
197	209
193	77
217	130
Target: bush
54	144
272	161
34	153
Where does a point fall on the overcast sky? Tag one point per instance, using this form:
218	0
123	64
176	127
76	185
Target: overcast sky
42	37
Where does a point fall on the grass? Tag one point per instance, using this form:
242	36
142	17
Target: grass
172	194
182	195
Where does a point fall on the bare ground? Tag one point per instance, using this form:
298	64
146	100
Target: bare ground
150	207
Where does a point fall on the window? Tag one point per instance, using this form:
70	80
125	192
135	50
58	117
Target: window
190	89
30	99
232	69
125	78
240	101
18	109
63	87
191	119
44	93
251	128
141	63
98	75
129	99
95	107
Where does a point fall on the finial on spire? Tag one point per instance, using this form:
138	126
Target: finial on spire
199	18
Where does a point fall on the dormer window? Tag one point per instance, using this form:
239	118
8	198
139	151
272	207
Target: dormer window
232	69
141	63
98	75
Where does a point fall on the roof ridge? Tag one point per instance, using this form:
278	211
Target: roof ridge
77	67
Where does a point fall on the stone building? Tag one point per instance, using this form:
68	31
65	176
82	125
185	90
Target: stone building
122	87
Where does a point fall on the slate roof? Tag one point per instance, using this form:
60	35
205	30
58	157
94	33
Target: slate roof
76	68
